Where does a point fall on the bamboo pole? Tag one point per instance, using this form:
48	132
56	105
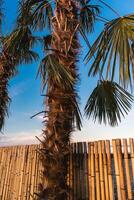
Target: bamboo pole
80	169
10	191
18	167
105	170
5	184
98	194
9	175
109	163
36	172
93	196
37	169
117	174
32	177
4	166
71	174
24	173
89	170
23	150
131	143
127	168
102	185
30	172
86	170
120	164
2	170
25	181
74	172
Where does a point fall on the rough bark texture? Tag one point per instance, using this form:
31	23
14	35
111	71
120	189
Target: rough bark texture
60	104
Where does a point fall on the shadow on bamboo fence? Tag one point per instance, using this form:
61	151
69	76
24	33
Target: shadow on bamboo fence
100	170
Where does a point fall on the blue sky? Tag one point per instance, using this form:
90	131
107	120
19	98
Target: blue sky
25	91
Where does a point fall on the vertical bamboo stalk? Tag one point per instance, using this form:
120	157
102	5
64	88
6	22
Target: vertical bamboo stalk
71	174
89	170
98	194
105	170
11	181
101	171
80	171
116	169
128	178
2	171
122	183
93	196
36	172
32	176
131	143
8	175
7	167
109	163
25	189
23	196
86	170
4	166
31	158
18	172
74	172
21	172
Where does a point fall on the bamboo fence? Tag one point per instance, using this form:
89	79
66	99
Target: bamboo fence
100	170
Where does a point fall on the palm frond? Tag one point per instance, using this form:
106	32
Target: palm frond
4	103
108	102
19	44
47	41
50	69
77	114
39	14
113	49
88	15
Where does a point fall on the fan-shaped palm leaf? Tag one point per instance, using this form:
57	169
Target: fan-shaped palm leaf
88	15
114	49
108	102
38	13
51	69
4	101
20	43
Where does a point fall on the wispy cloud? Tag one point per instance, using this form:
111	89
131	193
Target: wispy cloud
20	138
19	88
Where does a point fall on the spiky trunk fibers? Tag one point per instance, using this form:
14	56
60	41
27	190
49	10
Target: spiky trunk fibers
6	72
61	102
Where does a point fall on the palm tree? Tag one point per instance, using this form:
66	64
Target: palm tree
65	20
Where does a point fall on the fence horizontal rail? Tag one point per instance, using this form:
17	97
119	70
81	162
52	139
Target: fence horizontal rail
100	170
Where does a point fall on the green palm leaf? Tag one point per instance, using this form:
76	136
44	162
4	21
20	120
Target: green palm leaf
50	69
20	43
108	102
4	104
113	50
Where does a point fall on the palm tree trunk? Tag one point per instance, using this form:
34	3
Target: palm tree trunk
61	104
